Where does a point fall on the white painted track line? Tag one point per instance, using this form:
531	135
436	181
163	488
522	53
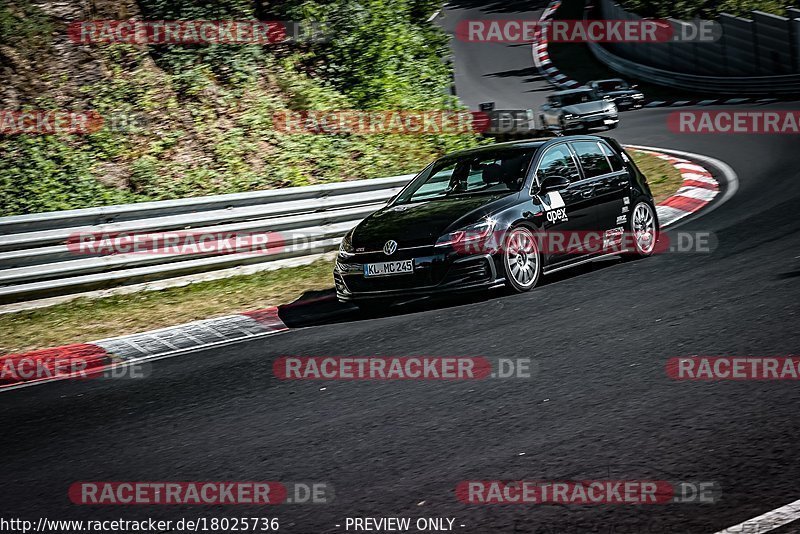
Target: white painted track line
766	522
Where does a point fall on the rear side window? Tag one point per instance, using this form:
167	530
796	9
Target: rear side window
592	159
558	161
613	157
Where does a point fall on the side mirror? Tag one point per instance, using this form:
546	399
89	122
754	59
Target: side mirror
554	183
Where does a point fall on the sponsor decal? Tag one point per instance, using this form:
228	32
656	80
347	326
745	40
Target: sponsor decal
734	368
555	208
613	237
626	200
622	219
553	200
735	122
557	215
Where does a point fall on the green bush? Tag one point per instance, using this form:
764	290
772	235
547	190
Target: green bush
207	111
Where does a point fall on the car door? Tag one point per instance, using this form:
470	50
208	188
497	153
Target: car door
567	213
603	168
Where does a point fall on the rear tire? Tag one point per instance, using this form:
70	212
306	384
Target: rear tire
643	227
522	261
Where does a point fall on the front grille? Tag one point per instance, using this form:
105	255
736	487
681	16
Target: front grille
470	271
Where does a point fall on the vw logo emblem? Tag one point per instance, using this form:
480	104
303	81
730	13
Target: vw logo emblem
390	247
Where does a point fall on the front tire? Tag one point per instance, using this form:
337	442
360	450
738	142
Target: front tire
522	261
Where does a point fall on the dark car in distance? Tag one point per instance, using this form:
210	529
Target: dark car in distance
624	95
484	218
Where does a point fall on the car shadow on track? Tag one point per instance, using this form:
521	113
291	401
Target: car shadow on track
315	308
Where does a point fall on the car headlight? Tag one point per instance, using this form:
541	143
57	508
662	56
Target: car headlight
467	235
346	246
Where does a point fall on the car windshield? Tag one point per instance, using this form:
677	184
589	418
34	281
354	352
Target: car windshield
613	85
579	98
484	172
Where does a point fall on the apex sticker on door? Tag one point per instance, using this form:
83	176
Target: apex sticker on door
555	207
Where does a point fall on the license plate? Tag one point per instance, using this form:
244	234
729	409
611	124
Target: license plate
388	268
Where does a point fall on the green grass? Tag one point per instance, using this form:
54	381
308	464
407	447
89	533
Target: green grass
86	319
664	179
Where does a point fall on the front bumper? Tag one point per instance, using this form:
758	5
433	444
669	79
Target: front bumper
435	273
593	121
628	102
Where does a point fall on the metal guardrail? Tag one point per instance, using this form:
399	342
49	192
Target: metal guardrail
36	260
744	85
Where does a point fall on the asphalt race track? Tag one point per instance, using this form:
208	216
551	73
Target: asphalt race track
502	73
599	406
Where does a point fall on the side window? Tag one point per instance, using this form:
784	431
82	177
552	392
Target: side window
613	157
592	159
558	161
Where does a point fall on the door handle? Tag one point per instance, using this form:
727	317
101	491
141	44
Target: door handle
586	193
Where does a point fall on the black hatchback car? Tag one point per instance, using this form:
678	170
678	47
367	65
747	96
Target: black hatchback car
499	215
